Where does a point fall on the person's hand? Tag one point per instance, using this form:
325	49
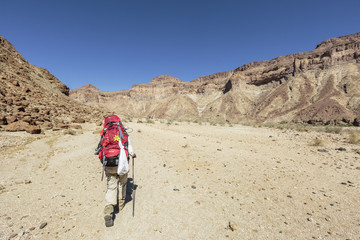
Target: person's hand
133	155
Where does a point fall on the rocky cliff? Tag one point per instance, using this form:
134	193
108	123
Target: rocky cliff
31	98
319	86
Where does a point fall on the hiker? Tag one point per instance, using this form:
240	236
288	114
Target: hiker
113	138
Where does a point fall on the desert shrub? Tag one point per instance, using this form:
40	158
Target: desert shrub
70	132
354	137
139	121
40	75
317	142
139	130
212	123
333	129
170	121
301	128
148	120
128	119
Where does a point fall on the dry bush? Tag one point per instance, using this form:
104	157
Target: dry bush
139	121
333	129
128	119
354	137
317	142
148	120
70	132
139	130
213	124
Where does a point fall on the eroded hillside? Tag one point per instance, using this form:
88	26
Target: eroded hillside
319	86
31	98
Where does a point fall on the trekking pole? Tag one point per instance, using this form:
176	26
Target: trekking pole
102	174
134	188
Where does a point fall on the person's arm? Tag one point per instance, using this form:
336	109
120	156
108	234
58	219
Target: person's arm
130	148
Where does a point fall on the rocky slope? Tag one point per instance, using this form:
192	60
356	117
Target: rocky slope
31	98
319	86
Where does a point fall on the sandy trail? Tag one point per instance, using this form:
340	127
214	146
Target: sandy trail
192	181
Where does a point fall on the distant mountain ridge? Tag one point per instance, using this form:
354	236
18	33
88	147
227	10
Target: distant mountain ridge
319	86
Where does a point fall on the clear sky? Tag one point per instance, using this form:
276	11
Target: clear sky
114	44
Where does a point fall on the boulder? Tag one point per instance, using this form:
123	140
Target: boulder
47	125
27	119
79	120
356	122
63	126
3	120
75	126
33	129
11	119
17	126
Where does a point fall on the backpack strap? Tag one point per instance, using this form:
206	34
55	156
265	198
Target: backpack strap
99	147
121	134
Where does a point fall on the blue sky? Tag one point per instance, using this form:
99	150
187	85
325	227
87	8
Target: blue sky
115	44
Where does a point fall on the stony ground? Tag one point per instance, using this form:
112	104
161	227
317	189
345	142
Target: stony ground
194	182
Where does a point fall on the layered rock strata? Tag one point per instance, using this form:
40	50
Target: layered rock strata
320	86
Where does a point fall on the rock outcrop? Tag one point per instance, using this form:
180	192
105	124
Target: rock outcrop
31	98
320	86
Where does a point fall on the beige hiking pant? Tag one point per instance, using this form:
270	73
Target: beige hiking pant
112	191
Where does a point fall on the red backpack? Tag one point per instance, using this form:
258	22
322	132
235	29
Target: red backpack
108	147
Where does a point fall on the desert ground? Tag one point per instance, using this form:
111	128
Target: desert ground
193	182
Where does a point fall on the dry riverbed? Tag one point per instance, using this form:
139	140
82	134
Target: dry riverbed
194	182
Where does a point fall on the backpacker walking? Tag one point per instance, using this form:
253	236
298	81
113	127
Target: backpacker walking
114	149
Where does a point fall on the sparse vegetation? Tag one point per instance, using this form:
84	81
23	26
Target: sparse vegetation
139	130
11	147
139	121
317	142
70	132
40	75
333	129
300	127
148	120
169	122
128	119
212	123
354	137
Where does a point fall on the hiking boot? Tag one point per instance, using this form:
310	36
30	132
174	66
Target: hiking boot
108	211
